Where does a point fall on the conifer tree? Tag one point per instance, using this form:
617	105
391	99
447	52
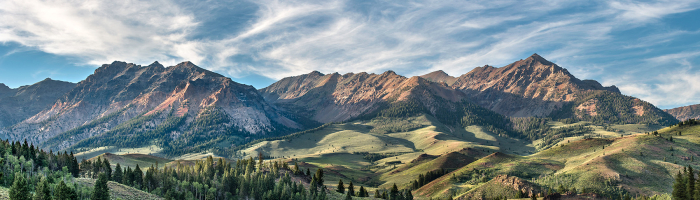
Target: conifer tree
107	169
43	192
408	195
351	189
138	176
690	182
341	187
394	192
118	174
348	196
319	177
63	192
19	189
101	191
679	187
362	192
377	194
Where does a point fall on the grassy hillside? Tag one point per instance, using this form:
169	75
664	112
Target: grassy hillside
119	191
638	164
377	154
131	160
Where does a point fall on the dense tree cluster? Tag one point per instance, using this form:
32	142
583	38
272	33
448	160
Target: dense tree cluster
218	179
615	108
427	178
383	125
394	194
687	185
30	172
689	122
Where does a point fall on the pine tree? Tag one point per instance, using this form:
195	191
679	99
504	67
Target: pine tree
408	195
43	192
19	189
118	174
341	187
348	196
107	169
394	192
362	192
319	177
101	191
63	192
138	176
679	187
377	194
351	189
690	183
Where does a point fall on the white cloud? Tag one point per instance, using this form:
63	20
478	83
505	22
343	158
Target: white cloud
98	31
642	11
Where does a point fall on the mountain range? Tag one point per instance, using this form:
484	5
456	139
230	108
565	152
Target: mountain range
185	108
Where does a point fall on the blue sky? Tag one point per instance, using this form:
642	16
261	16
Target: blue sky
649	49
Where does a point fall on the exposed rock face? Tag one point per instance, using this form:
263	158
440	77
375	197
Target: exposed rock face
685	112
130	91
440	76
335	97
502	184
23	102
530	87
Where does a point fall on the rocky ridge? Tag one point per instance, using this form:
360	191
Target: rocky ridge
21	103
119	92
335	97
685	112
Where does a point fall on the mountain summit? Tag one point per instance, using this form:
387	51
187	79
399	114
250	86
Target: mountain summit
440	76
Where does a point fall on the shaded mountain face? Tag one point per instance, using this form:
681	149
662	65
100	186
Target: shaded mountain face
685	112
23	102
334	97
181	104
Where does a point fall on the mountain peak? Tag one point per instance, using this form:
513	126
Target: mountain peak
538	58
155	64
4	87
187	64
317	73
439	76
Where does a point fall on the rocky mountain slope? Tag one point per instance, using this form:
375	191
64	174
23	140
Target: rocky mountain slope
334	97
21	103
125	104
685	112
526	88
530	87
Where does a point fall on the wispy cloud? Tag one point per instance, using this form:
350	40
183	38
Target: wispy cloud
644	11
